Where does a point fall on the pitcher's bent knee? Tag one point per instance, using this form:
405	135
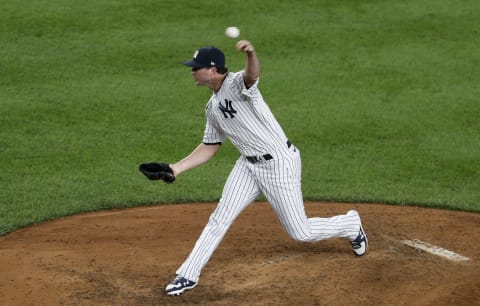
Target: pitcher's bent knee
302	237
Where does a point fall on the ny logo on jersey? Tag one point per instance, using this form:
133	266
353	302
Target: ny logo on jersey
227	109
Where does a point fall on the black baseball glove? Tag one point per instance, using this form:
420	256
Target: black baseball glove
158	171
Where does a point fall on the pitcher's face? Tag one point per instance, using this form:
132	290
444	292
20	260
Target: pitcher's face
202	76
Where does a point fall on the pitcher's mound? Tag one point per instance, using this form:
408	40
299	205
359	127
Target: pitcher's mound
126	257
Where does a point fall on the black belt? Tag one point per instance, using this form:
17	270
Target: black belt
257	159
261	158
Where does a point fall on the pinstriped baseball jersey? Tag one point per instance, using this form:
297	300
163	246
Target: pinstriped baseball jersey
242	115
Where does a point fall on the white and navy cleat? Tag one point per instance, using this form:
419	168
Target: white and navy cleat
359	244
179	285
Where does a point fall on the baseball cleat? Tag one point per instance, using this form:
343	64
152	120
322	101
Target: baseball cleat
359	244
179	285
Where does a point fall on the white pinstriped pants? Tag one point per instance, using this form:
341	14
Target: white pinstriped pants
279	180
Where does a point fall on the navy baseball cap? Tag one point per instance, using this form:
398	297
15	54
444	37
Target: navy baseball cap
207	57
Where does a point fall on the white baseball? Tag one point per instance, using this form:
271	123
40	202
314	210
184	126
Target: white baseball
232	32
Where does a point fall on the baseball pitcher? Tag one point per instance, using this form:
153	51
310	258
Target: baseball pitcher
269	164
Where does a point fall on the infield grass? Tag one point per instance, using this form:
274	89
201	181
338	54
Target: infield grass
380	96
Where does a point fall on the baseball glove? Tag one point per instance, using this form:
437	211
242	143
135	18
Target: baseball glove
158	171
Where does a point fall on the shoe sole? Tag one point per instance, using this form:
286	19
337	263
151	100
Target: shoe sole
180	291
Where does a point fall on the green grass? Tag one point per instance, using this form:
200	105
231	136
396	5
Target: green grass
380	96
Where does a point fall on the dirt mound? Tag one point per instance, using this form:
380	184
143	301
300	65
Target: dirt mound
126	257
